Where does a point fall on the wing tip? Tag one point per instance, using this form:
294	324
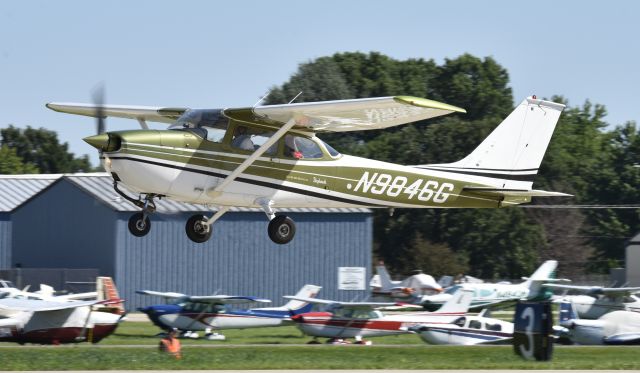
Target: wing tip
426	103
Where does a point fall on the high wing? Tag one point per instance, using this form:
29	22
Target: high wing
355	115
147	113
227	299
215	299
360	305
324	116
167	295
597	290
30	305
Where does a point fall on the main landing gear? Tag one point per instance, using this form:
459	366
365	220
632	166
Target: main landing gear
281	228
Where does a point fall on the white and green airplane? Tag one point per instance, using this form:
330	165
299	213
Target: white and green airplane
269	157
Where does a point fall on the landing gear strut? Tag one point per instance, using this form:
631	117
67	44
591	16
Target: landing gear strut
139	223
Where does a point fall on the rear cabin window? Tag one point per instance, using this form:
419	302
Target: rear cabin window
475	324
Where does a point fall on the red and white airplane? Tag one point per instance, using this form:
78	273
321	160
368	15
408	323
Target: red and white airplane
61	321
364	319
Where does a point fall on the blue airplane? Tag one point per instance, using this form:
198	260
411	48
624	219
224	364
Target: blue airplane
208	313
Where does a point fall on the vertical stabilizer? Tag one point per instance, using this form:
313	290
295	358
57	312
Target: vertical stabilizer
386	284
459	303
512	153
108	293
544	273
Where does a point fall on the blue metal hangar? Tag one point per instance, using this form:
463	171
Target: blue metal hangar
79	221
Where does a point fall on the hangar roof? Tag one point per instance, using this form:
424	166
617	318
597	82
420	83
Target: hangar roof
17	189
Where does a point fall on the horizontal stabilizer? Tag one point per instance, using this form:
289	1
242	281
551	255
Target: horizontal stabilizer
514	192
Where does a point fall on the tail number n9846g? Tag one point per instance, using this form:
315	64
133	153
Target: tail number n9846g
393	186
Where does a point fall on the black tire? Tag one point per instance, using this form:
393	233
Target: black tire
137	226
282	229
197	231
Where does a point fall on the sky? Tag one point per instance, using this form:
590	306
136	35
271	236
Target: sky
216	54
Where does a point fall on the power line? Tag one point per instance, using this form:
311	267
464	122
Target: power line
580	206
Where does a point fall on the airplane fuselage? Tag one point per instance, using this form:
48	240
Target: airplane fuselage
181	165
484	294
63	326
329	325
173	316
588	307
469	330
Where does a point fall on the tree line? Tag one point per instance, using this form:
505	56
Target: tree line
587	158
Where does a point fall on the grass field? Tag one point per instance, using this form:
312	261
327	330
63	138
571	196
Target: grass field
285	348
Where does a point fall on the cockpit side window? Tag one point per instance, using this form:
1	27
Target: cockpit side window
249	138
300	147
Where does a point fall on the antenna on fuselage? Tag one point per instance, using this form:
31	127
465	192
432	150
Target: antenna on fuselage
262	98
293	99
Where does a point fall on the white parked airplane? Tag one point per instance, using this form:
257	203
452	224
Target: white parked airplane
363	319
467	330
413	286
56	321
600	300
491	295
613	328
210	312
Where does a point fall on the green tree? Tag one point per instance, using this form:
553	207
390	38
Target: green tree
41	148
11	164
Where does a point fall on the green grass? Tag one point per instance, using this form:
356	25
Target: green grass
313	357
285	348
135	333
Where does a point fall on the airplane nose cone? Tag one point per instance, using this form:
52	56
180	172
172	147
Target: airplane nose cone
99	142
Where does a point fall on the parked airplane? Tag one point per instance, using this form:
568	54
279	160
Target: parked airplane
413	286
466	330
613	328
269	157
29	320
363	319
491	295
208	313
600	300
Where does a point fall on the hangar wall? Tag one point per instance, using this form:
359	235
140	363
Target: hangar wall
240	258
5	240
64	228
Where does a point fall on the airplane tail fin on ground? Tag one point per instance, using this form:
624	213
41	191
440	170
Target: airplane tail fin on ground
108	293
386	284
512	153
294	307
544	273
459	303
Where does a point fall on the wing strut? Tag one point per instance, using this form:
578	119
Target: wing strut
252	158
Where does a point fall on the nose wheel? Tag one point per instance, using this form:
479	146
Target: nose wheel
197	229
282	229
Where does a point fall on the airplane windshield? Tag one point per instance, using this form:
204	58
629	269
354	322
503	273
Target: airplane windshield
330	149
209	124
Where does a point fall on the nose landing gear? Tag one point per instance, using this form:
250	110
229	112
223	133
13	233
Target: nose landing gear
139	223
